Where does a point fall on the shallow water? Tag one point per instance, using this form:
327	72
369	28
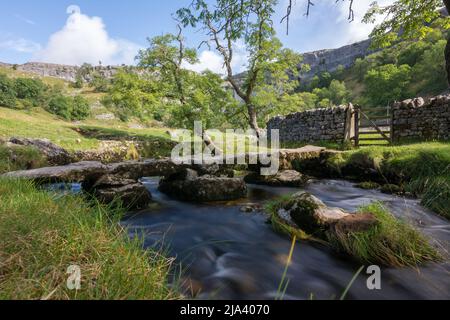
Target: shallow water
227	254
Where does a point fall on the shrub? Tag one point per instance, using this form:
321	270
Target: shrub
78	84
60	106
99	83
7	92
27	88
76	108
80	108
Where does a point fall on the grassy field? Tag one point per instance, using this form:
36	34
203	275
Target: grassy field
38	123
43	234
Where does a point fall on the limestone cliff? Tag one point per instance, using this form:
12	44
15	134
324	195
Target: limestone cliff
330	59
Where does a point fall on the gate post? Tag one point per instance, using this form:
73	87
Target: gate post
357	123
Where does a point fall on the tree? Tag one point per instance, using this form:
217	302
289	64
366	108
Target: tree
69	108
428	69
30	89
408	19
133	95
191	96
250	23
7	92
99	82
166	55
387	83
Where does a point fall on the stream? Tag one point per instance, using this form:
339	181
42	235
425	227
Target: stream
224	253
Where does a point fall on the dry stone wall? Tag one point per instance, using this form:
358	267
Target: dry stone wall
313	125
417	119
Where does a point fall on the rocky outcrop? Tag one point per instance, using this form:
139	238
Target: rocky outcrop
285	178
188	185
60	71
330	59
55	155
110	188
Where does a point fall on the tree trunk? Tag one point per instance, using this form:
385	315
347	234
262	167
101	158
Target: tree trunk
253	119
447	48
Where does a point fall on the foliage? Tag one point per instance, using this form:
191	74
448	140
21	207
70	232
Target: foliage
69	108
30	89
80	108
405	19
99	83
387	84
336	94
131	95
249	23
7	92
167	91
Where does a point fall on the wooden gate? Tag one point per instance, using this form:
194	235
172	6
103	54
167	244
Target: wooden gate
373	126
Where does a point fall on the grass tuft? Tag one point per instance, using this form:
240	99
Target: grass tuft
391	242
42	234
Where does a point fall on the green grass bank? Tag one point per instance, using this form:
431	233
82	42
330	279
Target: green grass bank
42	234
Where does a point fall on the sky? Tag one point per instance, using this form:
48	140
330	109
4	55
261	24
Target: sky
113	31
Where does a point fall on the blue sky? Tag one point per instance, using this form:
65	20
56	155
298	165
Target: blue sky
43	30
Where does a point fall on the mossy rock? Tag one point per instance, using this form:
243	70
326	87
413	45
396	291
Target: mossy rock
368	185
391	189
302	214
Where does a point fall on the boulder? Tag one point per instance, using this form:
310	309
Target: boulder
189	186
310	214
391	189
55	154
110	188
286	178
368	185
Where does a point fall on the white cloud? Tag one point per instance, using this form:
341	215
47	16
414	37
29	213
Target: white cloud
20	45
327	26
357	30
213	61
209	60
85	39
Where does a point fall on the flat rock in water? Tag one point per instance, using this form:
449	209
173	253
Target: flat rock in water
76	172
133	196
285	178
204	188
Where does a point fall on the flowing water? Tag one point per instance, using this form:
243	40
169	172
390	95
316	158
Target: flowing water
227	254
